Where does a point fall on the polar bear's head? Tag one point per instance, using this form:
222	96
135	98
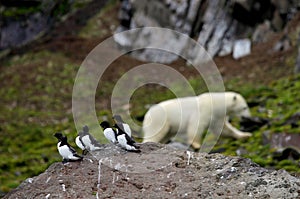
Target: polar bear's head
238	106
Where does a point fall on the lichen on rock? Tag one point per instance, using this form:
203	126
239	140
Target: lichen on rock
158	171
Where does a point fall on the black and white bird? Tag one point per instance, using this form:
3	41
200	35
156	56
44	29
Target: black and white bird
123	128
65	150
109	133
119	123
80	144
88	141
127	142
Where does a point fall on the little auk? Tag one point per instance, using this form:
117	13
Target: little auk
121	128
80	144
119	123
109	133
88	141
65	150
126	142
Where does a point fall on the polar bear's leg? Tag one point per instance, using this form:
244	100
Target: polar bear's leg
235	133
156	127
195	130
152	134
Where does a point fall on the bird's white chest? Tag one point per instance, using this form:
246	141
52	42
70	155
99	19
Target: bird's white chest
79	143
89	145
64	151
122	140
127	129
87	142
110	135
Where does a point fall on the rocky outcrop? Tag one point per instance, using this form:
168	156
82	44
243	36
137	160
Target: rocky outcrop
297	65
22	22
215	24
159	171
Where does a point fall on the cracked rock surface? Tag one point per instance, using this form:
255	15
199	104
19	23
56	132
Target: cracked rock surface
158	171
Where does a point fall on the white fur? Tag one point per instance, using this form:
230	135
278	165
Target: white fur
193	116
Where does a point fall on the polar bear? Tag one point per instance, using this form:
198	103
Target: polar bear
194	115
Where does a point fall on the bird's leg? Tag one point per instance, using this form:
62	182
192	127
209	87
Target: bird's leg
64	161
84	152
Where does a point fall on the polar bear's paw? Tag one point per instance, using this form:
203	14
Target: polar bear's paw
244	135
196	145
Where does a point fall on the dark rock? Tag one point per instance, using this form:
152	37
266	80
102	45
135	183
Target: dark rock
288	153
216	24
282	141
158	172
277	21
297	66
17	3
283	44
285	10
125	14
293	120
251	12
262	32
250	124
20	32
18	29
256	183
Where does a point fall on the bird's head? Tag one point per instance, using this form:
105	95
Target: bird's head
117	118
104	124
85	129
80	133
58	135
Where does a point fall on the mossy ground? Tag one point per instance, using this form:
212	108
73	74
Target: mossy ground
276	102
36	96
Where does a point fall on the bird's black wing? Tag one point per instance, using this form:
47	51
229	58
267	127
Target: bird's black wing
94	141
120	127
115	133
72	149
80	139
86	130
129	139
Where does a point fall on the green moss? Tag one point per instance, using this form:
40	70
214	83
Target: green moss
36	104
32	108
17	12
277	102
94	25
62	8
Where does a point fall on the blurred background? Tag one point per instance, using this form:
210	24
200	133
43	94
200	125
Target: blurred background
254	43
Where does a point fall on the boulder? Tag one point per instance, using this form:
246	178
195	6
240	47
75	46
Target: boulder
158	171
283	44
241	48
215	24
282	141
20	32
297	65
262	32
